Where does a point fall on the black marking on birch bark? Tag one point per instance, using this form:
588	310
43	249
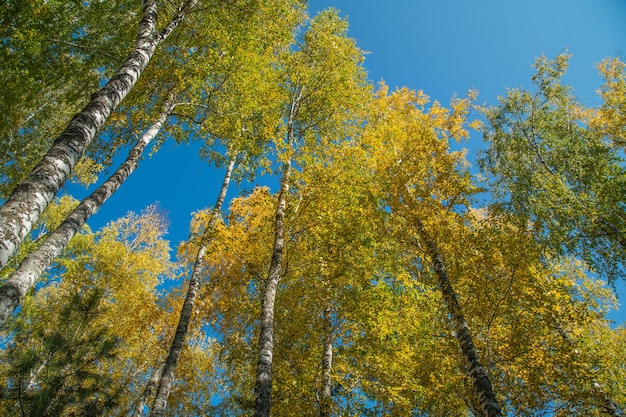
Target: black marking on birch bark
23	208
31	268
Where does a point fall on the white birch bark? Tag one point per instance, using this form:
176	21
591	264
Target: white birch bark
147	392
12	292
325	402
487	403
263	384
167	377
32	196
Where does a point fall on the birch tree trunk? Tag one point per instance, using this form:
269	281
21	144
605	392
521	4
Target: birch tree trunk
487	403
12	292
32	196
147	392
327	363
263	385
167	377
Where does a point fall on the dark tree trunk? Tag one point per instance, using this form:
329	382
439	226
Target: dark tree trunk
487	403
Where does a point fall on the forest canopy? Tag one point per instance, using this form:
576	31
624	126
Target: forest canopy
381	274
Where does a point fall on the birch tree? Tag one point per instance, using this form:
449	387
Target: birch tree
171	362
30	198
324	81
426	186
238	119
13	290
564	177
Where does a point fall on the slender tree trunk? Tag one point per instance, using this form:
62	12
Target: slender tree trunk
147	392
263	386
167	377
488	405
12	292
32	196
327	363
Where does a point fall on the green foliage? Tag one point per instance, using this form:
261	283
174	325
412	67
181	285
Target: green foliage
262	83
53	54
54	370
86	344
563	178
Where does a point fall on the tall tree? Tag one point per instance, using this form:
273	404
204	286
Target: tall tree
30	198
235	261
13	290
424	185
171	362
324	82
565	179
236	118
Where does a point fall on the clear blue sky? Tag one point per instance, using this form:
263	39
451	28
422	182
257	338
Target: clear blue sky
441	47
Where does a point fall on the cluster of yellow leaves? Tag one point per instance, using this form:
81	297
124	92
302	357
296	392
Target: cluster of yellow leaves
610	118
120	269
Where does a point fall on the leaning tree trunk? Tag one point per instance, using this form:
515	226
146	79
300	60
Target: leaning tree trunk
487	403
325	401
147	392
167	377
32	196
12	292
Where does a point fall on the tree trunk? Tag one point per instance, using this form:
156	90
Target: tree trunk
167	377
32	196
327	363
14	289
147	392
488	405
263	386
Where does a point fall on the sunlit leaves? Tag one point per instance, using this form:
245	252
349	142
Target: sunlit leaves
610	118
549	167
262	83
101	320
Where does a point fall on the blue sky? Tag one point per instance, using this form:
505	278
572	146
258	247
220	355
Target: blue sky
443	47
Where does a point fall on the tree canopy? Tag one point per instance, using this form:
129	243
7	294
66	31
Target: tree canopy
379	273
